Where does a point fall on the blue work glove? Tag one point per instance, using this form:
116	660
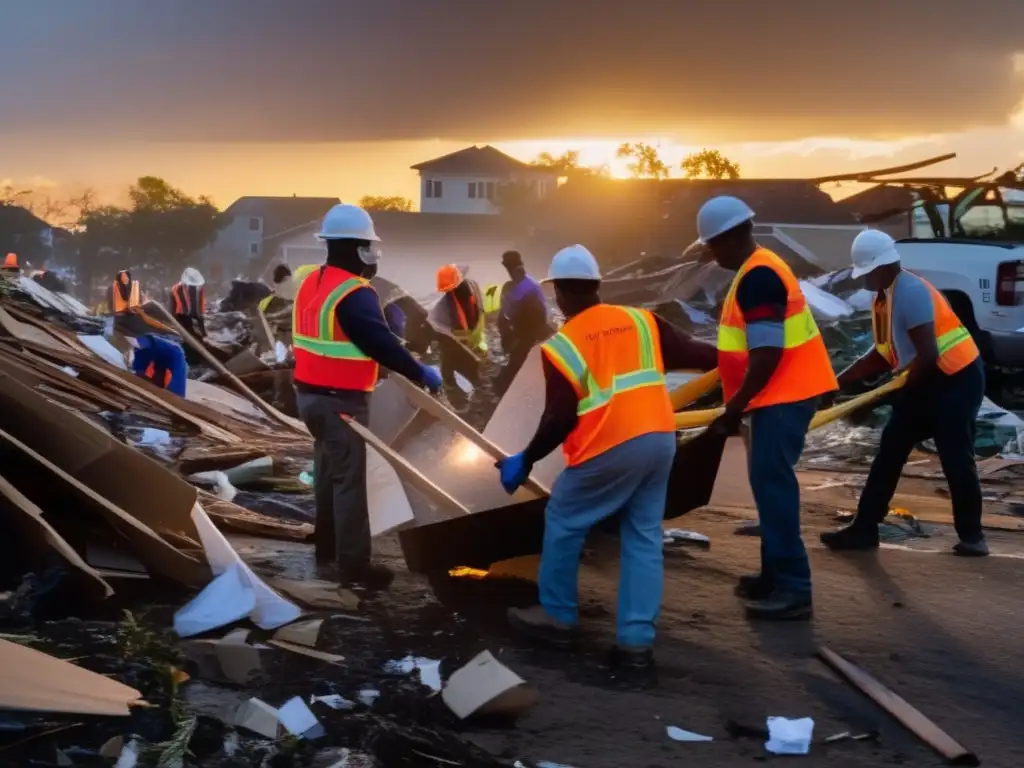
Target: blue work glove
514	471
432	378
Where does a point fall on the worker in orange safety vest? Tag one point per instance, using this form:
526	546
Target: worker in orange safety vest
188	302
607	405
340	340
774	368
917	331
124	294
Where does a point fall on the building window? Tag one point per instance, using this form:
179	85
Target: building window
254	248
472	190
489	190
434	189
255	224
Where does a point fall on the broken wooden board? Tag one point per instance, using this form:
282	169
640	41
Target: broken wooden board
31	681
33	523
423	401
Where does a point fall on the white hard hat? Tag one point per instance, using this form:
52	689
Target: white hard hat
573	263
872	248
347	222
720	214
192	276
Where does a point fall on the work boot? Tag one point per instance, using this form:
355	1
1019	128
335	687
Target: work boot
976	548
753	587
852	537
781	606
369	575
632	657
540	625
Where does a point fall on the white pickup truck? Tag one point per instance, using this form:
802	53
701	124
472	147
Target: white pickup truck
984	282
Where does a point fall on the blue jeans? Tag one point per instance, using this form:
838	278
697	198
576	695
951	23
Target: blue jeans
631	478
777	435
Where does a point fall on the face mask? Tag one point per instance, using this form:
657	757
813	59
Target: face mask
369	254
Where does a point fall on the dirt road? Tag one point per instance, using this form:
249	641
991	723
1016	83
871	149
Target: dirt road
941	631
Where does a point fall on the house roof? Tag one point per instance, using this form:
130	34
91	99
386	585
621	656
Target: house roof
282	213
878	201
475	160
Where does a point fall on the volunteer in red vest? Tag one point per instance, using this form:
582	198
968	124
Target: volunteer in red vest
916	331
340	339
774	368
188	301
607	405
124	294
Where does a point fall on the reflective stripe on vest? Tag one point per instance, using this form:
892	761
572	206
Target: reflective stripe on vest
183	300
120	305
633	401
956	347
323	355
473	337
804	370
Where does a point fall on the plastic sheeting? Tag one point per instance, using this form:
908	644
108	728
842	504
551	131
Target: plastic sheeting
235	587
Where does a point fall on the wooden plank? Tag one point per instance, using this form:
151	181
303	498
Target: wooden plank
152	550
267	408
425	402
406	470
908	716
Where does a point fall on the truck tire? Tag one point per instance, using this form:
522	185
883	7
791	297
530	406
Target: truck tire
965	311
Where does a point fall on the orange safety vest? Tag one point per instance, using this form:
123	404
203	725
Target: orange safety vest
153	374
804	370
324	357
182	298
956	348
120	305
612	357
471	336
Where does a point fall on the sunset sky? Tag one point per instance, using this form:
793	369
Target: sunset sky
320	97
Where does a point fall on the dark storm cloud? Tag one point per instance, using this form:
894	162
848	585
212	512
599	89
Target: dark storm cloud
309	70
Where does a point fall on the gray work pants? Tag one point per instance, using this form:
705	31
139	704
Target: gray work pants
339	467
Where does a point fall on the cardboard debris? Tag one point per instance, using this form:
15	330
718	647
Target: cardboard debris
316	594
487	687
259	717
37	682
296	717
302	650
301	632
239	661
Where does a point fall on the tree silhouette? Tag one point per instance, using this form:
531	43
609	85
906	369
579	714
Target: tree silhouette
646	162
709	164
385	203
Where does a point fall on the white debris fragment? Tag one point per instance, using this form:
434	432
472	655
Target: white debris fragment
129	756
368	697
296	717
429	669
678	734
280	352
332	700
222	486
824	306
861	300
789	737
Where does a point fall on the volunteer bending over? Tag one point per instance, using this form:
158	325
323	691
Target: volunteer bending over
606	403
916	331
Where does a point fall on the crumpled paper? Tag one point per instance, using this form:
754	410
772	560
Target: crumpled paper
789	737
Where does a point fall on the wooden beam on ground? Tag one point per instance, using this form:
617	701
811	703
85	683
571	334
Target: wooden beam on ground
908	716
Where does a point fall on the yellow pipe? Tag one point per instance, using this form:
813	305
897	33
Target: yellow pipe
687	393
694	419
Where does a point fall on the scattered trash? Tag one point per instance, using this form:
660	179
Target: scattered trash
332	700
678	734
129	757
789	737
298	719
679	536
486	686
368	697
430	670
259	717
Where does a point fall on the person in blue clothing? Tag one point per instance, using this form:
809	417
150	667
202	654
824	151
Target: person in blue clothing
160	361
523	318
